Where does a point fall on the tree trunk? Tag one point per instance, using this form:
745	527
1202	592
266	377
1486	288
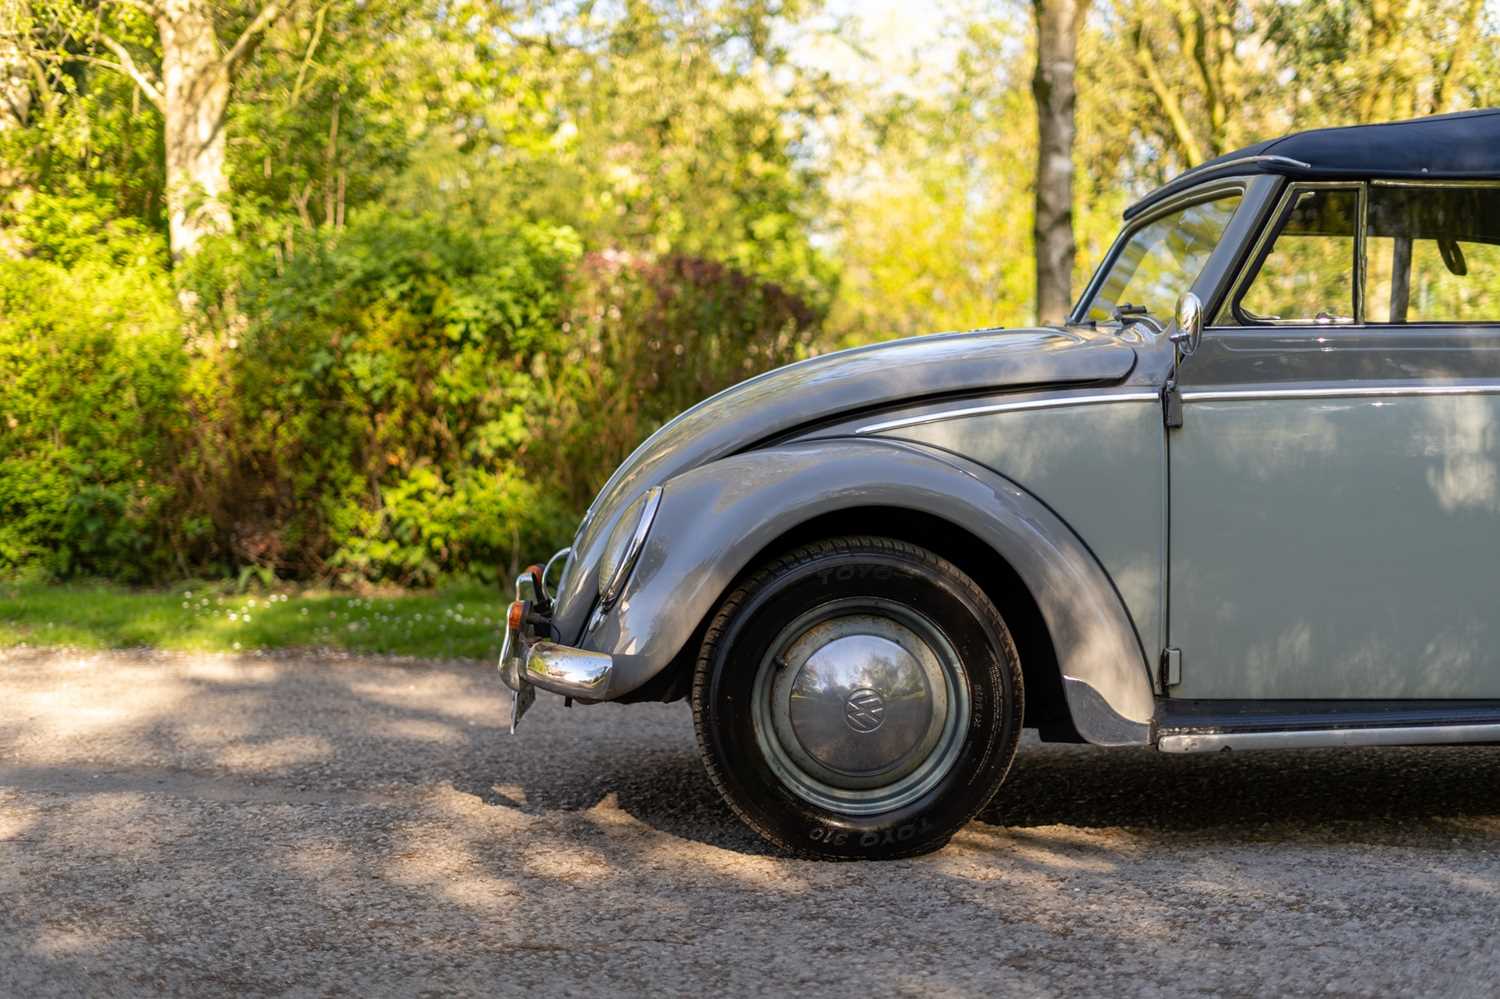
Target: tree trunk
15	110
15	85
195	97
1053	86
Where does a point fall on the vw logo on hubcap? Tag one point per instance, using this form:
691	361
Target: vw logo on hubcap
864	710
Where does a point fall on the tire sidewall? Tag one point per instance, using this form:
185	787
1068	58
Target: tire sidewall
937	592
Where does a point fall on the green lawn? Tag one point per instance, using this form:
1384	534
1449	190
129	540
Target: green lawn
458	621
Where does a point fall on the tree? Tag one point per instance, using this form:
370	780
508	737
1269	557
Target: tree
1057	26
15	109
1193	79
15	83
654	128
15	87
191	88
930	205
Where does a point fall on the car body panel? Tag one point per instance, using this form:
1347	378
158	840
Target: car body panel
1336	514
1100	467
822	388
716	518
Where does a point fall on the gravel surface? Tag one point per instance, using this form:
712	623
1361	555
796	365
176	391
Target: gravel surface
301	825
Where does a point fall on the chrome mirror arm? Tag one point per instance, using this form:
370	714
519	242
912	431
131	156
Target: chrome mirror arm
1185	338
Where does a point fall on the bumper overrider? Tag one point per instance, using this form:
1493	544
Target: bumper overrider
529	661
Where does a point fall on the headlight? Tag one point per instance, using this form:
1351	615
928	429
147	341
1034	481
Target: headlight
625	544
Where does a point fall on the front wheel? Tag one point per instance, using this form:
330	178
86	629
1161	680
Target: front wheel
858	698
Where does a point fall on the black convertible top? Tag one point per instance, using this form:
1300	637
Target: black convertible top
1465	145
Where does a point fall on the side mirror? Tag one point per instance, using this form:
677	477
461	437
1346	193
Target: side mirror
1189	332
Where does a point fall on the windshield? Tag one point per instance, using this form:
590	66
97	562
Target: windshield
1162	259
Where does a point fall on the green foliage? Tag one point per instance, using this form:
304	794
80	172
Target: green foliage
365	421
89	133
91	410
74	229
645	339
938	234
400	402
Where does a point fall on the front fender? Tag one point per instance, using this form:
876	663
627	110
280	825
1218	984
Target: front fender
715	518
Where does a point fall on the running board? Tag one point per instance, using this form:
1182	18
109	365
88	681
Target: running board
1199	726
1416	735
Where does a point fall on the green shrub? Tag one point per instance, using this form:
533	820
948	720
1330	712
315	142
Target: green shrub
365	423
91	415
646	339
400	401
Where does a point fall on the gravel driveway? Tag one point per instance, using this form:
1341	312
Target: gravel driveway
297	825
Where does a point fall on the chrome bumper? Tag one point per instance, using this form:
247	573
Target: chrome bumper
528	663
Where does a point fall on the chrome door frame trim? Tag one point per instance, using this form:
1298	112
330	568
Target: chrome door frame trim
1007	407
1243	277
1250	266
1416	182
1416	735
1352	392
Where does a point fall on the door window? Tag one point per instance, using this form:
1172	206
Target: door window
1307	275
1433	255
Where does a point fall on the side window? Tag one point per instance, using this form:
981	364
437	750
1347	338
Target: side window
1433	255
1307	275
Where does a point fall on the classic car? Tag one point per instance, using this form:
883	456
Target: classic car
1247	496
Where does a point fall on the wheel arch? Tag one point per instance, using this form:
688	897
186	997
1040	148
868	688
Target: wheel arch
1081	660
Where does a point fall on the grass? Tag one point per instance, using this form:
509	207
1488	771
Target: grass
460	621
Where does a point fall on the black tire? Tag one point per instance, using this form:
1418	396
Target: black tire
748	636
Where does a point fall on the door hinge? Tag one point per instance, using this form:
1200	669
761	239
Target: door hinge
1171	667
1171	405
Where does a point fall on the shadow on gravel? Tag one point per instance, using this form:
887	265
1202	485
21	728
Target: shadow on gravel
1370	794
1237	792
665	789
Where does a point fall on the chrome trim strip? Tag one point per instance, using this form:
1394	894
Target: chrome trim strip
1418	182
1360	222
1429	735
1262	158
613	587
1213	395
1242	161
1006	407
561	553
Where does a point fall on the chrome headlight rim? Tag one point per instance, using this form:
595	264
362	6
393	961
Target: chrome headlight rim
634	541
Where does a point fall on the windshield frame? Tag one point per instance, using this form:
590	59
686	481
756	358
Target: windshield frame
1208	191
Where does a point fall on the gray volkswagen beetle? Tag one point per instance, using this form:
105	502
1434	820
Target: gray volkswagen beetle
1247	496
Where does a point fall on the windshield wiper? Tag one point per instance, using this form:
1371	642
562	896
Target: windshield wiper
1126	313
